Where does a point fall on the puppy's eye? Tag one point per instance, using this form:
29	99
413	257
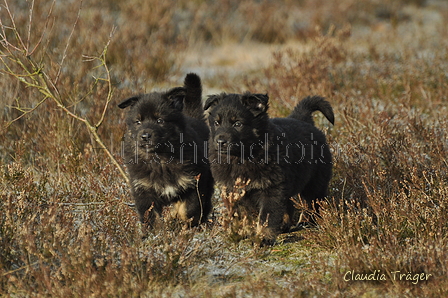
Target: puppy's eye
216	123
160	121
237	124
138	122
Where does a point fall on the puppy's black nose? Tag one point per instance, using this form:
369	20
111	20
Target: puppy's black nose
221	142
146	137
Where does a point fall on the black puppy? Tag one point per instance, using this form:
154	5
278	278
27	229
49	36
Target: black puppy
164	152
279	157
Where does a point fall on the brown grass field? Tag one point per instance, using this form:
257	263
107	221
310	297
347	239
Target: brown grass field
66	229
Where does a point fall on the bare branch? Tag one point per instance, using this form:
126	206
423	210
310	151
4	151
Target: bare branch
108	79
25	112
28	40
14	28
64	54
47	20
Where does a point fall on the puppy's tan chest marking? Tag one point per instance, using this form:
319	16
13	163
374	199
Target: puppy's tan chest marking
166	189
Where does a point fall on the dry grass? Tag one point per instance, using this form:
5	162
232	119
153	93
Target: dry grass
65	228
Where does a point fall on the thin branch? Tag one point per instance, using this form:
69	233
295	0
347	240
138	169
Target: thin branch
14	27
64	54
27	111
47	20
108	80
20	268
6	44
30	22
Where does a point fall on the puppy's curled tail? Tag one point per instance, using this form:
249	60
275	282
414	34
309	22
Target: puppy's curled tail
193	96
304	110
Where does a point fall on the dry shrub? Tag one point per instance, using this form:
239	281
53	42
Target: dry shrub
147	45
390	180
325	14
403	231
56	245
269	21
296	73
237	21
235	219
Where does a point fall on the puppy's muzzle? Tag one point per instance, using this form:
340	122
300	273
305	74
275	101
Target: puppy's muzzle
222	143
146	140
146	137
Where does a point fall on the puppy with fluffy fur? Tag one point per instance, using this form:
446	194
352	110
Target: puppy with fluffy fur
164	152
279	158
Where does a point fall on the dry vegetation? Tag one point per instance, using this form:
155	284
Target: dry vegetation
65	227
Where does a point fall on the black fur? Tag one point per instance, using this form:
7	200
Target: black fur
282	157
164	152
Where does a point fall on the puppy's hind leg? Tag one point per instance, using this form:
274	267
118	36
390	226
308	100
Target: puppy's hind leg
288	216
312	194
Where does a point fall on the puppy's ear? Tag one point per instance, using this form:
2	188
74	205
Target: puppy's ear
256	103
176	97
211	101
129	102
